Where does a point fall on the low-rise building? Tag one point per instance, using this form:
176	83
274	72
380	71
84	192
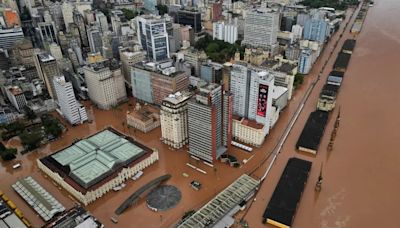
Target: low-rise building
91	167
144	118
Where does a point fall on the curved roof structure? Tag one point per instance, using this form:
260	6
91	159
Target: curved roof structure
135	196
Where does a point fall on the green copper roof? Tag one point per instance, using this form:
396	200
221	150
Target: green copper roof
93	157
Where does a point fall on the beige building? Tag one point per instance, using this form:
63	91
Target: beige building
105	83
128	59
144	118
174	120
93	166
248	131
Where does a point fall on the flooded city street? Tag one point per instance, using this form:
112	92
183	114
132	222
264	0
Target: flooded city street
360	186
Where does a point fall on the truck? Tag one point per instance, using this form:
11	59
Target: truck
16	166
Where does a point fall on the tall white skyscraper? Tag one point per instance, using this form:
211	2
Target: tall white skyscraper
261	28
69	106
153	37
251	90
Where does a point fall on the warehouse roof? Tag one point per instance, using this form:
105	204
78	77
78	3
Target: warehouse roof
311	135
224	202
283	204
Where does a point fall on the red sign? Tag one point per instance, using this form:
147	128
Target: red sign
262	100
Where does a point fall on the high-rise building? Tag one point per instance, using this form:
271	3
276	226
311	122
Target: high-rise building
305	61
105	83
101	21
94	37
225	32
11	18
55	51
195	58
129	59
16	96
210	119
67	12
48	32
80	22
46	66
152	83
153	37
174	120
190	17
239	88
56	14
251	90
218	30
69	106
316	29
261	28
8	37
211	72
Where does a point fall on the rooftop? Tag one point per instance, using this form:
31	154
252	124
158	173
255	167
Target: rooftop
177	98
44	57
145	113
222	204
94	159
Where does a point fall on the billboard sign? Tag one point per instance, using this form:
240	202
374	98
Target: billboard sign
262	100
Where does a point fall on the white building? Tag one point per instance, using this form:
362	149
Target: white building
106	87
101	20
239	87
174	120
218	30
297	31
231	33
261	28
153	37
225	32
67	12
69	106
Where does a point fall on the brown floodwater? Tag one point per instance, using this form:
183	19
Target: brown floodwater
360	186
361	174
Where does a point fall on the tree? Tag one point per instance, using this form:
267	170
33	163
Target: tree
8	154
129	14
30	114
52	126
298	80
162	9
31	140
